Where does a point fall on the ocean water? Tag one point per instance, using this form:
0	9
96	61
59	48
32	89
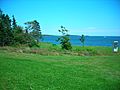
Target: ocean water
89	40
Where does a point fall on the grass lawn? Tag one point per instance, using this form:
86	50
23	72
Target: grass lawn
36	72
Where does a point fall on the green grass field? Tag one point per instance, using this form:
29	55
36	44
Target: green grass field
35	72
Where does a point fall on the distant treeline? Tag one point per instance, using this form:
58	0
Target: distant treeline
13	34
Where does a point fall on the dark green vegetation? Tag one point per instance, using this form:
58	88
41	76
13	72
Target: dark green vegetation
35	72
64	39
13	34
82	39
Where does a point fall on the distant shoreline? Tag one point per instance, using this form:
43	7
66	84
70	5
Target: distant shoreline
89	40
80	35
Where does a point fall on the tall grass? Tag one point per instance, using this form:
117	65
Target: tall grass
53	49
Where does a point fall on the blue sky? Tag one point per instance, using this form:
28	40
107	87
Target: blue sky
89	17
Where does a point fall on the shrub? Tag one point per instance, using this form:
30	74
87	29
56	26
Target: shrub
64	39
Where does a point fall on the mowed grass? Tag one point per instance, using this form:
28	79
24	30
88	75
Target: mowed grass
36	72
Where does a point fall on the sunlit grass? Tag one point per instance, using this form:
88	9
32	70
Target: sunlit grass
19	71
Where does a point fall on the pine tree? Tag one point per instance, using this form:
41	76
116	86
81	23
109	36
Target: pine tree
5	30
1	28
8	31
14	25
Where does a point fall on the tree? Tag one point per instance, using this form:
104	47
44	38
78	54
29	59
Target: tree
14	24
19	35
22	37
5	30
64	39
8	30
82	39
14	34
1	29
33	28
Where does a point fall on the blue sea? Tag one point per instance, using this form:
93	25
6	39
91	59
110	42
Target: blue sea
89	40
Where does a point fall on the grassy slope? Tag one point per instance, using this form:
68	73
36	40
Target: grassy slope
35	72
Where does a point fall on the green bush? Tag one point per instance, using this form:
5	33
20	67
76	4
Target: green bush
64	39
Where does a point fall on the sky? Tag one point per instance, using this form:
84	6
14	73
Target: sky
88	17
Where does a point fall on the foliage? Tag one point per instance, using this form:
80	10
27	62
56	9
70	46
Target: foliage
14	24
18	35
33	28
64	39
82	39
6	34
13	34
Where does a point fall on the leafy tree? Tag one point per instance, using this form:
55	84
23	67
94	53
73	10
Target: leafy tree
19	35
82	39
33	28
64	39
